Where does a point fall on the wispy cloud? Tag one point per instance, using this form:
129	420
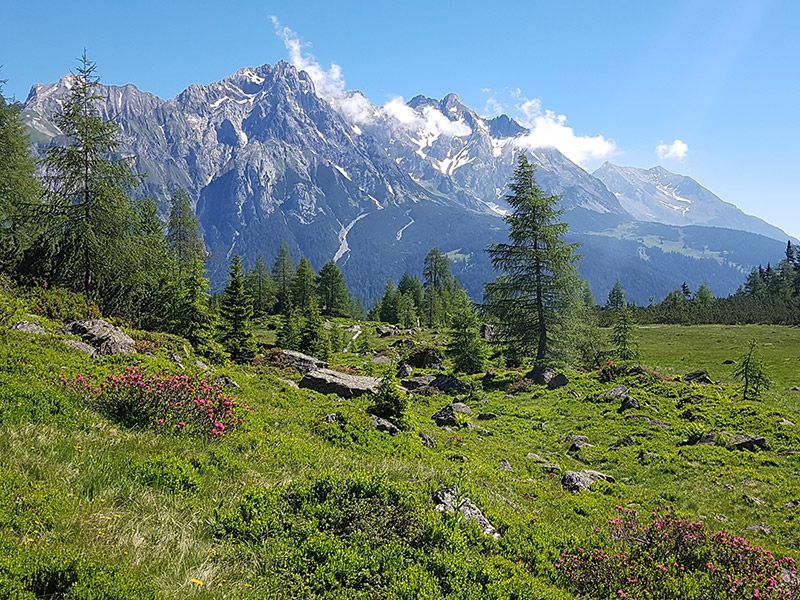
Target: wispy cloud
678	149
547	128
357	108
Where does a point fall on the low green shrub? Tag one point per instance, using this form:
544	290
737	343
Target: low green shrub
169	473
36	573
59	304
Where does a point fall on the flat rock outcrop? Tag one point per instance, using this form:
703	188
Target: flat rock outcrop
328	381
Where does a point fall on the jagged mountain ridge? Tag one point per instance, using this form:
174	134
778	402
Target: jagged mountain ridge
266	159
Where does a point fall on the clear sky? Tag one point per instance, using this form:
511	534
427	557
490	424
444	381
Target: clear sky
706	88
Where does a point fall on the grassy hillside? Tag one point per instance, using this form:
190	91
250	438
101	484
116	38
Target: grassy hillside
294	506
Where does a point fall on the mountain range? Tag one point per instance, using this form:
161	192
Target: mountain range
267	159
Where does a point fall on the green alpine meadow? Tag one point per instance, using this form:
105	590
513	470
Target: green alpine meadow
271	340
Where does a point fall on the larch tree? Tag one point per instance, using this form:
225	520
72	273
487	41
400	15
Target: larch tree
283	274
20	191
334	297
183	233
237	311
304	285
86	214
261	287
537	267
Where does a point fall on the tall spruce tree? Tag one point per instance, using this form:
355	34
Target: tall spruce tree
183	233
283	274
197	321
86	215
334	297
537	267
236	311
261	287
304	285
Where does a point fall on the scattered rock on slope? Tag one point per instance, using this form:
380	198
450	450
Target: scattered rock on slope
28	327
699	376
303	362
102	335
579	481
328	381
81	347
384	425
426	358
446	500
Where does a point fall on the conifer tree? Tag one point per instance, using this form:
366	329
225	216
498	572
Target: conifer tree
290	330
197	321
387	311
579	330
314	338
304	285
406	311
334	297
86	216
236	311
703	295
20	191
537	267
183	233
466	345
390	402
623	336
261	287
283	274
412	285
752	374
616	297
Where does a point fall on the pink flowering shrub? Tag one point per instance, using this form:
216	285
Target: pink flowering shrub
668	557
176	403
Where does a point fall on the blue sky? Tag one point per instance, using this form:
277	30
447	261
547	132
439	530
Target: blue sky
607	80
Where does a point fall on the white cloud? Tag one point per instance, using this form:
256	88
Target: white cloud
550	129
547	128
329	83
429	121
677	149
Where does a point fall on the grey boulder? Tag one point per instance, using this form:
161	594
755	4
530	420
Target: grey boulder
102	335
328	381
447	500
580	481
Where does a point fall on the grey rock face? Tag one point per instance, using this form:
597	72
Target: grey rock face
384	425
29	327
417	382
580	481
735	441
448	384
81	347
541	375
303	362
105	337
558	381
426	358
427	440
328	381
447	500
446	417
